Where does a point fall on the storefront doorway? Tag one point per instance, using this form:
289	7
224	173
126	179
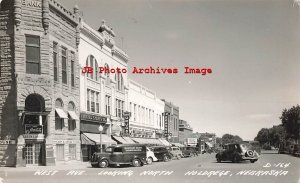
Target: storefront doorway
34	153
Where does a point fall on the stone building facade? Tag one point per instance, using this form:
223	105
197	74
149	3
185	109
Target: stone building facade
39	88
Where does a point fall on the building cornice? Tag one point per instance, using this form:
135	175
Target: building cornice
92	34
63	11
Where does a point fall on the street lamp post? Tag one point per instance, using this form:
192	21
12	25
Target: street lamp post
100	130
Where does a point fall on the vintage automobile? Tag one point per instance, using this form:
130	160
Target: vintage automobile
132	154
176	152
162	153
189	151
237	152
150	156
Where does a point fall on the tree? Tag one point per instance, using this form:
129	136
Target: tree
271	136
263	136
228	138
290	119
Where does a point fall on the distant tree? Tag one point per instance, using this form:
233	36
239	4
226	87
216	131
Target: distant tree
228	138
290	119
263	136
271	136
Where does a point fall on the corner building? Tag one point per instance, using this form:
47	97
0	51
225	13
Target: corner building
39	86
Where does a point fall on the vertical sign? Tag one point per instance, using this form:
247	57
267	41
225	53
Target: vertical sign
166	122
126	123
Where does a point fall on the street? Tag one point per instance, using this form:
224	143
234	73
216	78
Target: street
271	167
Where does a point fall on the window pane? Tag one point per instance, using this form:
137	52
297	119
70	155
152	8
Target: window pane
32	40
32	68
32	53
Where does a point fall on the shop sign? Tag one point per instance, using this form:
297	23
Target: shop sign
32	3
166	123
63	142
6	142
126	123
94	118
33	129
33	136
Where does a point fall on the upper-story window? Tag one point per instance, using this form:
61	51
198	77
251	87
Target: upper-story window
120	82
92	62
107	76
55	61
64	65
72	69
33	61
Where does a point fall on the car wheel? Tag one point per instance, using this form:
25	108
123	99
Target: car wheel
178	157
166	158
235	159
136	162
149	160
103	163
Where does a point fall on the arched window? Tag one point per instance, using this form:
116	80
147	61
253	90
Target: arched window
59	114
107	76
92	62
119	81
71	117
33	103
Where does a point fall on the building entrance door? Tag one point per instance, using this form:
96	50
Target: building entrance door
33	154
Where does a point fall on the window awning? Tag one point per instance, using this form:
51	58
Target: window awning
164	142
209	144
147	141
129	140
61	113
73	115
94	138
178	144
120	140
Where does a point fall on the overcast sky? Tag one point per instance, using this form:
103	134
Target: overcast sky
252	47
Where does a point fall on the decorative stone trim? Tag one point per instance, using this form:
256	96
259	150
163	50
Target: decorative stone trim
45	15
17	13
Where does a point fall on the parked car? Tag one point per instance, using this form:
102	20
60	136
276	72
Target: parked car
176	152
189	151
162	153
132	154
237	152
150	156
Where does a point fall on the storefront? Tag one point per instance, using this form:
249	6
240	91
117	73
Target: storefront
90	135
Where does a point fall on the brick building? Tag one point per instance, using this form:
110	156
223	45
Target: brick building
39	86
185	131
172	120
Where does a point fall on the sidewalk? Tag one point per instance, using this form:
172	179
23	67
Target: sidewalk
58	166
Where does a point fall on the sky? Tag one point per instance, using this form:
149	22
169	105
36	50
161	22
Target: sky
251	47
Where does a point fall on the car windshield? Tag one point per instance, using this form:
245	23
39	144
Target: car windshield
109	149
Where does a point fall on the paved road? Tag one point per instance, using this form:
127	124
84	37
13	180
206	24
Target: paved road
271	168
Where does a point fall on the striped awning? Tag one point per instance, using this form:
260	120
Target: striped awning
165	142
129	140
178	144
147	141
120	140
94	139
